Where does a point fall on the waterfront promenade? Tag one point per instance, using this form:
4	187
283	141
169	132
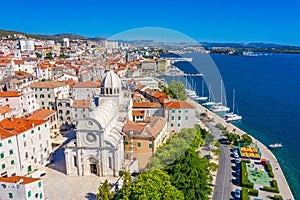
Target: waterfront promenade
284	188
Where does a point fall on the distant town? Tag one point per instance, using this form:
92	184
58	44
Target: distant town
89	119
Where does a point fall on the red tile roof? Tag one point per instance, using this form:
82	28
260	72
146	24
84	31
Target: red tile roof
41	114
5	109
15	179
133	126
146	105
81	103
87	84
179	104
138	113
10	94
48	84
19	125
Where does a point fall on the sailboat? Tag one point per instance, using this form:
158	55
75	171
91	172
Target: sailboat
210	97
189	91
232	116
219	107
202	98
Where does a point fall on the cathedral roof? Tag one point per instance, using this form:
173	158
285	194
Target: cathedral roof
111	80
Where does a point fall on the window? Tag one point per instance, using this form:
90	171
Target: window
25	144
9	141
40	89
67	104
172	118
32	131
41	195
11	152
2	155
179	117
49	96
139	144
3	166
26	154
186	111
12	162
150	146
39	128
33	150
60	111
68	112
29	194
109	163
46	125
186	118
172	125
40	184
178	125
42	96
60	104
3	185
126	142
76	115
40	136
75	161
43	103
173	111
0	144
179	111
10	195
47	89
24	135
50	103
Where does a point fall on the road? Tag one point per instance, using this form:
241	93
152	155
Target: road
224	185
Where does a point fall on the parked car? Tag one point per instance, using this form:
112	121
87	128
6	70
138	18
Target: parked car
237	194
234	150
237	160
236	155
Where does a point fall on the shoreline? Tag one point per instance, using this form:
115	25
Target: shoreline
283	185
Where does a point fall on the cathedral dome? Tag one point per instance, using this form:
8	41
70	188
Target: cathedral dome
111	84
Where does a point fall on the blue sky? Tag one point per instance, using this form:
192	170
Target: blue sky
203	20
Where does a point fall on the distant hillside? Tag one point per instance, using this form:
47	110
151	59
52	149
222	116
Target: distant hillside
244	45
57	37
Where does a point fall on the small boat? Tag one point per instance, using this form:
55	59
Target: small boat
276	145
232	116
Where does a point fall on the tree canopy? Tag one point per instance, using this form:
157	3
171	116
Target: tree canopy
152	185
104	192
189	174
178	90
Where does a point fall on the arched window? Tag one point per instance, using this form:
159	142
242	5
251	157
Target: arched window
59	104
42	96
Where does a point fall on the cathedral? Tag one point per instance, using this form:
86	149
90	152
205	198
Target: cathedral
99	146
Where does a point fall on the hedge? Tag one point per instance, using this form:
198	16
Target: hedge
245	181
273	189
253	192
245	195
271	174
278	197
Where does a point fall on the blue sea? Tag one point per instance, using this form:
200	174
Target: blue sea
267	95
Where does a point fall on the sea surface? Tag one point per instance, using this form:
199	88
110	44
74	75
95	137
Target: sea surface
267	95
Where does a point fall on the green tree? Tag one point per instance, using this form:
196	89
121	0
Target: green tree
209	139
189	174
151	185
49	56
104	192
246	139
38	54
178	89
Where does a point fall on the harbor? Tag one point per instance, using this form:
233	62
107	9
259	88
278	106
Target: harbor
284	188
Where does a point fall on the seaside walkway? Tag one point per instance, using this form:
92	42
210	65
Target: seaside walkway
284	188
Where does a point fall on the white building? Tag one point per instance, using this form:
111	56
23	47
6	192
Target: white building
81	108
66	42
15	101
99	147
48	92
29	142
180	114
21	188
26	45
85	90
